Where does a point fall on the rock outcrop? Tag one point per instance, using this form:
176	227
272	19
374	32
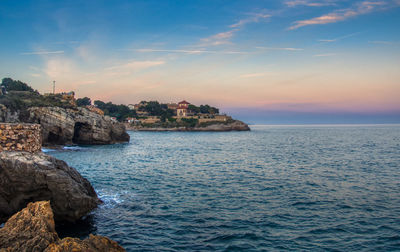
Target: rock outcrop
69	126
33	229
235	125
27	177
63	126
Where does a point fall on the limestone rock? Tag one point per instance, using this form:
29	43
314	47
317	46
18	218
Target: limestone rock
33	229
27	177
92	244
76	126
61	126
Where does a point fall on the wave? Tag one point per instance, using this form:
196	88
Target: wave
110	200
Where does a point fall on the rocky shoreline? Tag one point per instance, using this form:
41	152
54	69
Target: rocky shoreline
36	190
33	229
236	125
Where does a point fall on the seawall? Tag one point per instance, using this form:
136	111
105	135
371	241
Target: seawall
20	137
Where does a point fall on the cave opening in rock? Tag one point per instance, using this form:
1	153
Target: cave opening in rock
54	137
81	133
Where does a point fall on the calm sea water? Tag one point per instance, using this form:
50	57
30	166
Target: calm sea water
312	188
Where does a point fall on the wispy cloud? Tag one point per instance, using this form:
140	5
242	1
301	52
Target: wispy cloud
42	52
359	8
223	38
294	3
339	38
149	50
280	48
254	18
324	55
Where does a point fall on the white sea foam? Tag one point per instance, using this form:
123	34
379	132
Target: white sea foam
111	199
45	150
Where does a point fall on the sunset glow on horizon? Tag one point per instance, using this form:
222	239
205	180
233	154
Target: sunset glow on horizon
301	56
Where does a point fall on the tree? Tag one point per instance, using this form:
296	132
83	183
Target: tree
13	85
207	109
82	102
153	108
121	112
195	110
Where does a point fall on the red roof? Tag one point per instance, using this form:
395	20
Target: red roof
183	102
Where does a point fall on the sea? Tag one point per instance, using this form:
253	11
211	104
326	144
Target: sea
274	188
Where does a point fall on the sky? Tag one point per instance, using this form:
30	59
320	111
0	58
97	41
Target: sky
263	61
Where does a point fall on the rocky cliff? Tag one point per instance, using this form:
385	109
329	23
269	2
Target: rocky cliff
27	177
63	126
33	229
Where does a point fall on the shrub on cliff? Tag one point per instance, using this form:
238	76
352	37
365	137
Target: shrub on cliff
82	102
121	112
16	85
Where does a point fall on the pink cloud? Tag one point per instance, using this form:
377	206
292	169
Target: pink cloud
341	15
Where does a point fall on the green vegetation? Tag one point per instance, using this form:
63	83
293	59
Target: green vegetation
121	112
20	96
13	85
203	109
82	102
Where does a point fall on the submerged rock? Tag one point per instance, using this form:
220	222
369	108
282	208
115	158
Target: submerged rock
33	229
27	177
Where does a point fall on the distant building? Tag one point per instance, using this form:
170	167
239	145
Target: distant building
131	106
3	90
114	119
130	120
182	109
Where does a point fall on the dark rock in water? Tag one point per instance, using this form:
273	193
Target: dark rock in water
69	126
33	229
27	177
62	126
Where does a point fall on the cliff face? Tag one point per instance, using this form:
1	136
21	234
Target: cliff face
62	126
81	126
33	229
27	177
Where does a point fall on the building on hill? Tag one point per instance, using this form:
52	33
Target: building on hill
182	109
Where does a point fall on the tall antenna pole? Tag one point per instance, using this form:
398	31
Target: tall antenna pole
54	86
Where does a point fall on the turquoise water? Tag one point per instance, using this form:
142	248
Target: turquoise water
274	188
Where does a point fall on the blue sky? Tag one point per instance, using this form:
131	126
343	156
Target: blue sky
263	59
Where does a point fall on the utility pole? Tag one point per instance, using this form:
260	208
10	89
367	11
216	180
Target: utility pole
54	86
